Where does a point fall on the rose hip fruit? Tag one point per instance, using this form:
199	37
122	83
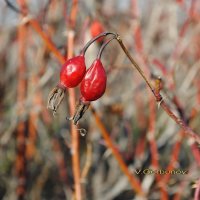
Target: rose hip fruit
93	84
73	71
92	88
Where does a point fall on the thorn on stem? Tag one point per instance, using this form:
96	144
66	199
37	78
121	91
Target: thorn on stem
157	89
159	103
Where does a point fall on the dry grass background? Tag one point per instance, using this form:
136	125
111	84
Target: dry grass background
35	147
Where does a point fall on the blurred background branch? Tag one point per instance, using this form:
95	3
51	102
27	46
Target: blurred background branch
37	150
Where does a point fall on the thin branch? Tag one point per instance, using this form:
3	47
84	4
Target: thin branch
197	191
135	184
88	162
36	26
159	98
74	132
21	128
133	62
73	13
11	6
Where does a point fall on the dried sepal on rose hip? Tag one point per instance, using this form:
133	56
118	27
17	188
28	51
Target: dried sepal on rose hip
71	74
81	108
92	86
55	98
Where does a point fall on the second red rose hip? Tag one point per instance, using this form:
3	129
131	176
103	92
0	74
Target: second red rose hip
93	84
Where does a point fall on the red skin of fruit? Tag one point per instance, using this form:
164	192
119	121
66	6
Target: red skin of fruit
73	71
93	84
96	28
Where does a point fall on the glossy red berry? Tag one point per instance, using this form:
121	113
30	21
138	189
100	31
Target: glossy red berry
93	84
73	71
71	74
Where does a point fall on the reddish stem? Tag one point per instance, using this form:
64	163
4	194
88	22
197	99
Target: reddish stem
21	140
197	191
47	40
135	184
158	97
74	132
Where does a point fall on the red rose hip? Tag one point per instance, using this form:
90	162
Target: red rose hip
73	71
93	84
92	88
